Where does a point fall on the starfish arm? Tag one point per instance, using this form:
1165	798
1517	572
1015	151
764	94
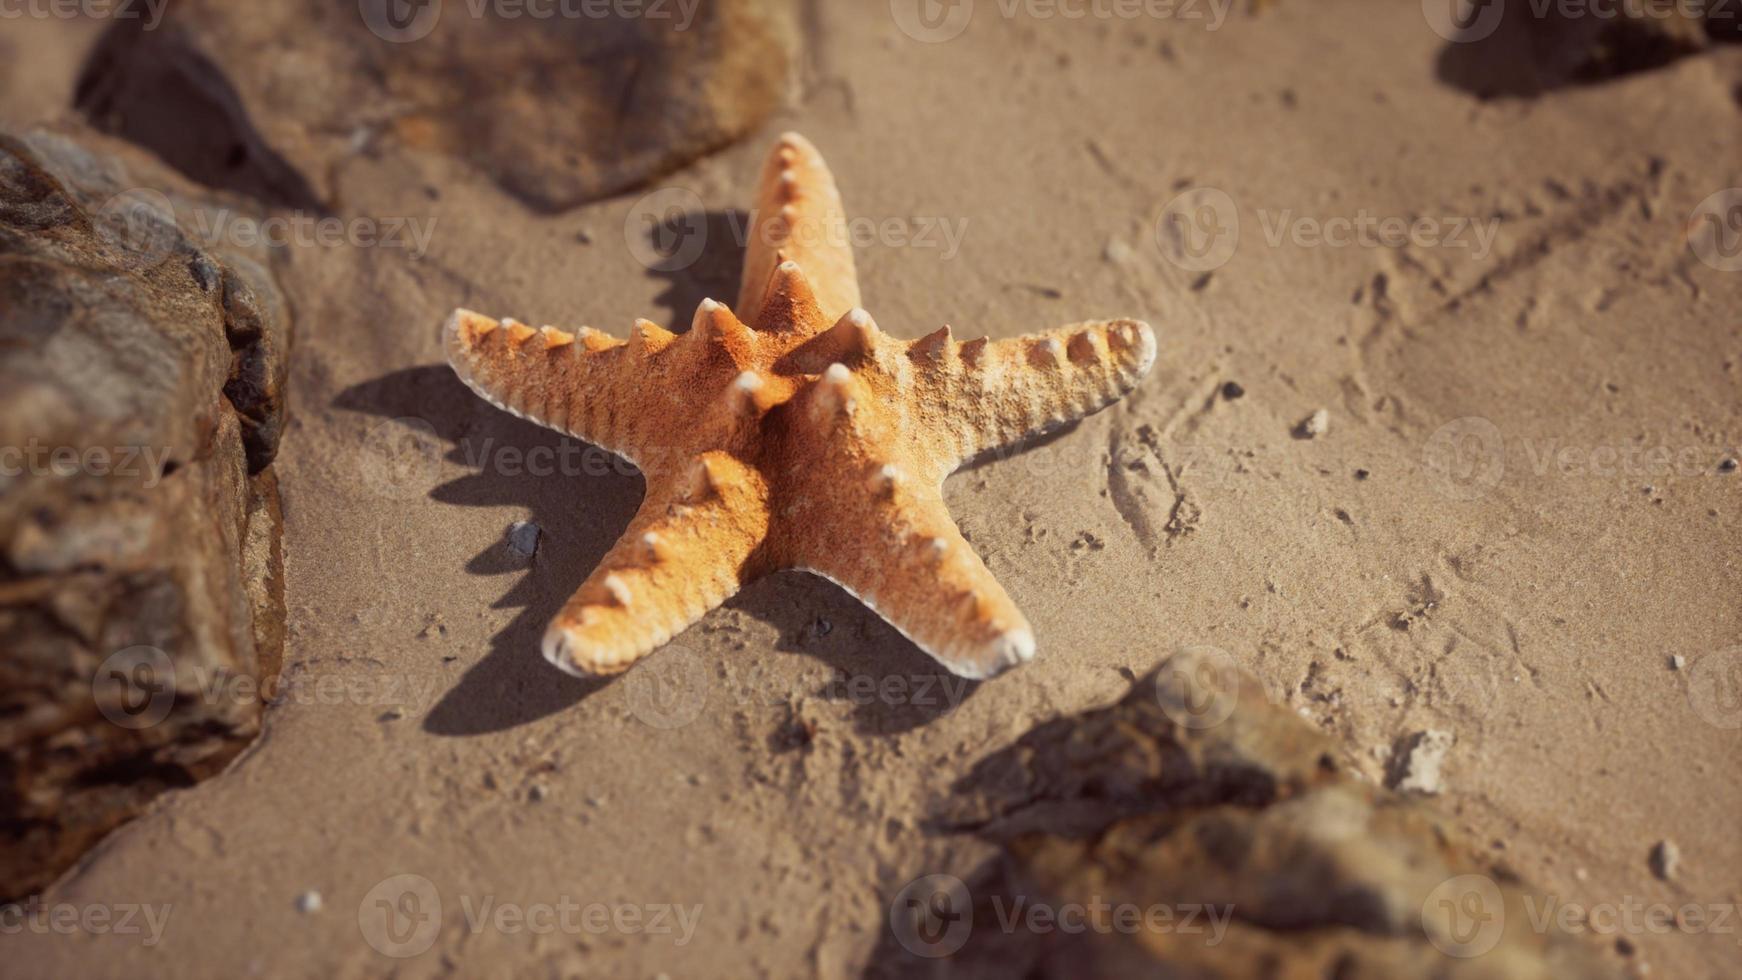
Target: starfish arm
584	383
912	566
798	218
683	555
989	394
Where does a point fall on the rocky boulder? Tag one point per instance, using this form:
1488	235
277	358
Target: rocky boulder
1195	830
558	103
142	384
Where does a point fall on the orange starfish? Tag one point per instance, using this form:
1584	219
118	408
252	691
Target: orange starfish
794	434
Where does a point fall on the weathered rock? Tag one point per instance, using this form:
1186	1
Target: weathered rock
558	110
141	403
1229	830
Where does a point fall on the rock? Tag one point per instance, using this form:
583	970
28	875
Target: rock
141	403
309	901
558	110
1226	844
523	538
1418	760
1677	662
1665	860
1313	425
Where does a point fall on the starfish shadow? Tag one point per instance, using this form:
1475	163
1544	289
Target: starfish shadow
712	273
892	685
579	496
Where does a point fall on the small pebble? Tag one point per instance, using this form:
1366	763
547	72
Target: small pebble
1665	860
1314	425
309	901
1362	474
523	538
536	793
1232	390
1677	662
1727	466
1423	755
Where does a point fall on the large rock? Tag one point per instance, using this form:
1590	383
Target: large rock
559	110
141	403
1237	841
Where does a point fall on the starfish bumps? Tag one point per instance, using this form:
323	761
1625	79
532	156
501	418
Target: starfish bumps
790	432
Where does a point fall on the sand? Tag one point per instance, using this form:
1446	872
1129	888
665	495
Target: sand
1530	608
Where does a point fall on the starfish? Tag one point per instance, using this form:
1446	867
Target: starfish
791	432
